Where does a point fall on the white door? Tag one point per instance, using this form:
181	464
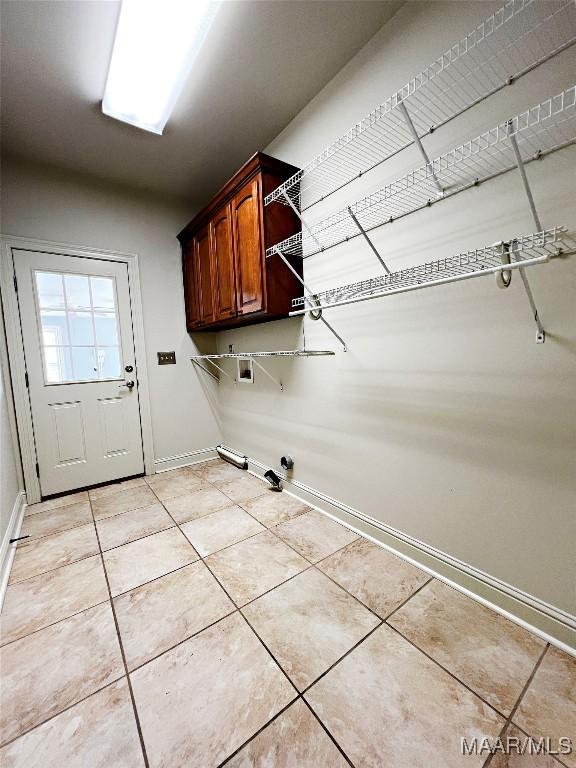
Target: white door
81	366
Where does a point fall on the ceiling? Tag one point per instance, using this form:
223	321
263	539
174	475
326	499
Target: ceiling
261	63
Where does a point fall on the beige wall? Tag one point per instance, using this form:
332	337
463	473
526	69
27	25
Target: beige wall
444	419
49	204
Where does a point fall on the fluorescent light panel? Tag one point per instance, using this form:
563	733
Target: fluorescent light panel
155	45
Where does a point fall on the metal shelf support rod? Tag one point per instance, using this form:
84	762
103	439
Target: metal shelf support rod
218	367
540	333
302	221
418	142
278	383
370	243
309	292
202	368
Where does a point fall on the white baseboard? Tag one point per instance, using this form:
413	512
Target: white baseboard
8	550
547	621
184	459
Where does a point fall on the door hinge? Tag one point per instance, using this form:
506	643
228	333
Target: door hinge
27	380
37	470
15	284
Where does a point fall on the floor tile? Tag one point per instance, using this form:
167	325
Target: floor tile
220	529
50	597
222	687
548	707
99	732
295	739
48	671
387	702
121	529
273	508
308	623
57	520
374	575
197	504
123	501
483	649
166	611
166	485
315	535
252	567
59	501
515	759
146	559
221	472
112	488
53	552
243	488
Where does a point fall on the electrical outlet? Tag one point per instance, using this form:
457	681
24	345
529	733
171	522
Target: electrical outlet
166	358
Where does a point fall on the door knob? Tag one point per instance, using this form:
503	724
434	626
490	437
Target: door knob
129	385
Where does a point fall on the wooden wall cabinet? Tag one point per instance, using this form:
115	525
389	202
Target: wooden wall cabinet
228	282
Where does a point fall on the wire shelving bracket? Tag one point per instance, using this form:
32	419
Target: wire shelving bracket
255	357
526	251
520	36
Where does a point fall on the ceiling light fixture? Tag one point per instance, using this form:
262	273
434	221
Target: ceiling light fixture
154	48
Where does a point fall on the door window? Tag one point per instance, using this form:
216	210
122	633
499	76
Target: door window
78	322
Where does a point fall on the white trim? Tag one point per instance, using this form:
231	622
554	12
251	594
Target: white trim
8	550
433	560
167	463
16	347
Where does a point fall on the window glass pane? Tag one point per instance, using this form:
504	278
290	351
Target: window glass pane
84	363
58	364
77	292
108	363
54	328
81	330
102	292
50	290
79	327
106	331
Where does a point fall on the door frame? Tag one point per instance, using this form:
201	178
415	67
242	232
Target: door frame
16	358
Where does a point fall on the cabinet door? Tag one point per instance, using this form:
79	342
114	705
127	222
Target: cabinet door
223	262
248	252
204	276
189	273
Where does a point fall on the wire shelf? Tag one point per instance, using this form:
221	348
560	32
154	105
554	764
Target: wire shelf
542	129
281	353
517	38
521	252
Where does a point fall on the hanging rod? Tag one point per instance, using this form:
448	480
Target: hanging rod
528	250
282	353
520	36
540	130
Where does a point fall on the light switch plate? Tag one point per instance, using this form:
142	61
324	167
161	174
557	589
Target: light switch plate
166	358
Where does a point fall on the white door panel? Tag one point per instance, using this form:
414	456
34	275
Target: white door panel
78	341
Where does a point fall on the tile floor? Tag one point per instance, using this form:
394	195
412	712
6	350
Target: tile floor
197	619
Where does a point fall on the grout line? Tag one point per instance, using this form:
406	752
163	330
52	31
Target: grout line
444	669
61	711
53	623
129	682
258	732
348	652
325	729
139	538
403	603
515	707
555	758
239	611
